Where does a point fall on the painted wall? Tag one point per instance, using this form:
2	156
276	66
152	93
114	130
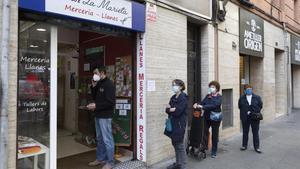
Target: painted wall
166	59
229	62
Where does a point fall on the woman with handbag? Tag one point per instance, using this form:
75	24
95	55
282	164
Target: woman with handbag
176	123
250	106
211	105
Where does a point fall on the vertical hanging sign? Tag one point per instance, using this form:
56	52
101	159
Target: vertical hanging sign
141	98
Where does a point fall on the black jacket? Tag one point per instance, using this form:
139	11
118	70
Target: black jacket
104	96
178	118
255	107
211	104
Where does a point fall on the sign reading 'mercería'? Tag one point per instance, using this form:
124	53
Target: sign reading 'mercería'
251	34
295	49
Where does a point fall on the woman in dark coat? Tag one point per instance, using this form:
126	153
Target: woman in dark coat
211	104
176	111
250	104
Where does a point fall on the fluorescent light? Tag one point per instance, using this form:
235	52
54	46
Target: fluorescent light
33	46
41	29
45	41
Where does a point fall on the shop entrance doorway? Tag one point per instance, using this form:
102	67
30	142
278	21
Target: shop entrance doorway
251	69
79	52
55	72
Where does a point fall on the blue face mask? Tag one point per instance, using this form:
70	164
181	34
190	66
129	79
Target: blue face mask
248	92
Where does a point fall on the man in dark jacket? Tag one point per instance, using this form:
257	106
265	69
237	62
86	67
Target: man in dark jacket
103	92
249	104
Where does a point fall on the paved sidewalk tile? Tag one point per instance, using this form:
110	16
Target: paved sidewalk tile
280	143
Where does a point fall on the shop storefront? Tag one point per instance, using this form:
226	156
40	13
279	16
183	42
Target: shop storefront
251	45
60	43
295	61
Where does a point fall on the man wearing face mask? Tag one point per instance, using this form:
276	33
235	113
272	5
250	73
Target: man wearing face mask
103	92
211	105
249	105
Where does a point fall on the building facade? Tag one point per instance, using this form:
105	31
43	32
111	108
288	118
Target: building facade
256	42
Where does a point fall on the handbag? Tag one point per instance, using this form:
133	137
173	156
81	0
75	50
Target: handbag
216	116
168	125
256	116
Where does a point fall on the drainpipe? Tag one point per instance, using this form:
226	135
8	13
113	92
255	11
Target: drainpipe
288	68
216	39
4	84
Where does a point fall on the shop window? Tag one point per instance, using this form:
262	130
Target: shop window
33	95
227	108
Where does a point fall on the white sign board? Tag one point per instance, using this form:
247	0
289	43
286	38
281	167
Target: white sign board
141	98
151	87
114	12
151	12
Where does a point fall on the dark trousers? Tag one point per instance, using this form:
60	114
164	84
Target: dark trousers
255	131
215	134
181	157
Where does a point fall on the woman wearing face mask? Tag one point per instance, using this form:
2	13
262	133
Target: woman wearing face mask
176	111
211	105
250	104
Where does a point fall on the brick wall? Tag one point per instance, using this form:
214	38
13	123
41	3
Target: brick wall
166	59
282	10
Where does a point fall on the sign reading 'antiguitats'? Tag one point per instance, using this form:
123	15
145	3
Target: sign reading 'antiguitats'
251	34
295	49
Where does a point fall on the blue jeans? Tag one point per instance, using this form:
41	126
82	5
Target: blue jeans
105	140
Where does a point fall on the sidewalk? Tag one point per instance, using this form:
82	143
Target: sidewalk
280	143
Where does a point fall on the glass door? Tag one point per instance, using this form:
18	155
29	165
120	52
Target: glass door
36	124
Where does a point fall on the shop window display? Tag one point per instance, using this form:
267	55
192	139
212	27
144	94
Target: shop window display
33	95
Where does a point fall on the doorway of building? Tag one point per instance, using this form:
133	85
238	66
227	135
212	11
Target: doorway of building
79	52
194	66
251	72
55	72
295	86
280	83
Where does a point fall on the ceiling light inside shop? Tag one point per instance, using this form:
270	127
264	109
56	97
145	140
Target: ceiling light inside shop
33	46
45	41
41	29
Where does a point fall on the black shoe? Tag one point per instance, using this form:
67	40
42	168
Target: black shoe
172	166
177	166
258	150
243	148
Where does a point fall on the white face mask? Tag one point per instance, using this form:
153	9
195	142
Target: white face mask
175	89
96	78
212	90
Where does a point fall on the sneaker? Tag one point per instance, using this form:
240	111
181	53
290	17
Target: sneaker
95	163
213	155
107	166
243	148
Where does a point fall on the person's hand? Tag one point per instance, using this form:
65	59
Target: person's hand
94	83
172	109
91	106
168	106
195	105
